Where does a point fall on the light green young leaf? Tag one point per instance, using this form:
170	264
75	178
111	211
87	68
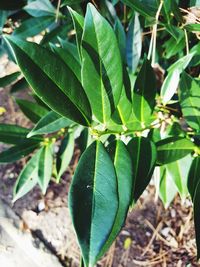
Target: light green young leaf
93	199
45	165
64	155
178	171
134	43
28	177
171	82
189	95
40	8
50	123
167	187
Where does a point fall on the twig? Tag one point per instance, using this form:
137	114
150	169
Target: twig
57	10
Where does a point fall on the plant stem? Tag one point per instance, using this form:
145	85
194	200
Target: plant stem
57	10
154	34
186	42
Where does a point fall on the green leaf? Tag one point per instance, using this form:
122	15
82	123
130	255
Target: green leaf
40	8
122	161
178	171
78	22
19	85
144	93
134	43
32	110
8	79
45	165
167	187
173	148
14	134
171	82
17	152
93	201
52	81
64	155
69	54
143	156
33	26
50	123
189	96
28	177
192	27
145	8
101	87
196	208
194	176
121	38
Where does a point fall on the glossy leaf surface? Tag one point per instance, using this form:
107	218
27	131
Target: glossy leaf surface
189	95
173	148
14	134
144	92
64	155
50	123
28	177
51	80
45	163
143	156
93	201
101	57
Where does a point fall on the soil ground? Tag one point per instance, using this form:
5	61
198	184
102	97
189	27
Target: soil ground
152	236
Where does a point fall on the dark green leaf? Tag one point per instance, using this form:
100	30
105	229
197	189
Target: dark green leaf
45	165
194	176
28	177
33	26
143	156
145	8
93	201
103	60
189	96
122	161
173	148
52	81
17	152
32	110
121	38
19	85
14	134
69	54
7	80
144	93
50	123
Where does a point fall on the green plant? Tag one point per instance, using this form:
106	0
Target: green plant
109	87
